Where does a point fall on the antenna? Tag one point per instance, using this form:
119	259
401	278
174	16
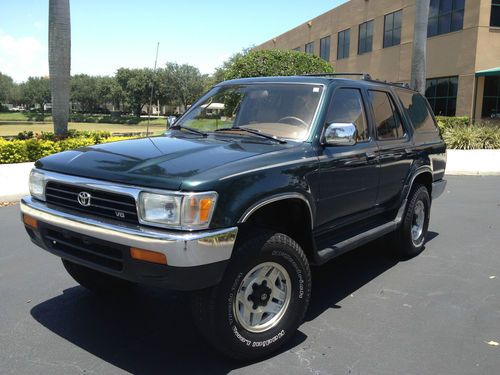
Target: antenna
152	87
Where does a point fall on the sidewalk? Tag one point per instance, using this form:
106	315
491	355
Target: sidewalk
14	177
14	181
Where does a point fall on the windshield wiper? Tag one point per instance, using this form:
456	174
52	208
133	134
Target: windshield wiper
192	130
252	131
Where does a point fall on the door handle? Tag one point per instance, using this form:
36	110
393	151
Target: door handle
370	155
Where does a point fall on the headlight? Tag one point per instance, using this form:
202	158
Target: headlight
37	185
186	211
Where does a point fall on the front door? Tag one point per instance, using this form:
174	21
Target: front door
349	174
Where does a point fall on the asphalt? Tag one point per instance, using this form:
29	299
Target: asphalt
438	313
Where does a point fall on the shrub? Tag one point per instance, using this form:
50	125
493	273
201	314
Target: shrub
451	122
276	63
13	151
481	136
40	148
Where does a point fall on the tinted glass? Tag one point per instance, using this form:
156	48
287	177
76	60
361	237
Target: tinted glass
343	44
491	98
387	120
392	29
495	13
347	106
445	16
417	111
309	48
442	95
283	110
324	48
365	38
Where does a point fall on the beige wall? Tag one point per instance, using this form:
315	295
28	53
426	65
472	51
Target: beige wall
460	53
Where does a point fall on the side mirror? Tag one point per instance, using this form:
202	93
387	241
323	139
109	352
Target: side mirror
340	134
171	120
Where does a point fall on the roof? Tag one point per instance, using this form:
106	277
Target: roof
488	72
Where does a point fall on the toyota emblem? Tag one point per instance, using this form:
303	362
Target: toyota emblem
84	198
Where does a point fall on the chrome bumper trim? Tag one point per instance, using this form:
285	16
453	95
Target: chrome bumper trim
438	188
183	249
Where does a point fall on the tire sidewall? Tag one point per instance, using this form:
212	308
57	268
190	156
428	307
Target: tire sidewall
230	329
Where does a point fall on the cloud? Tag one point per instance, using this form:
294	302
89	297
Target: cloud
21	57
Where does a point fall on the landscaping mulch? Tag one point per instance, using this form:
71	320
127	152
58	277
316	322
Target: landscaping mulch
7	204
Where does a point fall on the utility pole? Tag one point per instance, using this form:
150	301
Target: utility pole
418	59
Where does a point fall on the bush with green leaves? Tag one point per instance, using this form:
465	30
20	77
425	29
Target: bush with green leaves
14	151
445	122
469	137
276	63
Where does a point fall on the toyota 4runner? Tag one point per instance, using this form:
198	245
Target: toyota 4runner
258	180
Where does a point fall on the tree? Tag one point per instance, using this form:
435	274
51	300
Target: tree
60	62
276	63
6	88
136	87
84	91
185	83
220	71
418	59
109	91
36	90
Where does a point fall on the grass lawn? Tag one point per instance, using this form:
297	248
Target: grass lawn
15	129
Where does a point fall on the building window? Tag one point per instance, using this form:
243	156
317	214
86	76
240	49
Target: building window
491	97
392	29
445	16
309	48
495	13
344	40
296	49
365	38
442	95
324	48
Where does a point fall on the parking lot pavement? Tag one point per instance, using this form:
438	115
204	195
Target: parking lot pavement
438	313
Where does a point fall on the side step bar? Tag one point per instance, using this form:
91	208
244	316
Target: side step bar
324	255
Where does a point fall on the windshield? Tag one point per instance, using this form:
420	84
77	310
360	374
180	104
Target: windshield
280	110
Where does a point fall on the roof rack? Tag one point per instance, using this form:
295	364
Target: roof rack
364	76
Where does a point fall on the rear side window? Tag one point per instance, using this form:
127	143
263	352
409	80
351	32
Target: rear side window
387	120
417	111
347	106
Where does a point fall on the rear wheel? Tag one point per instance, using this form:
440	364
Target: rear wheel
96	281
410	237
261	300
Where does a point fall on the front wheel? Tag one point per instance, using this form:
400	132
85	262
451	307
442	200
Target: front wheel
261	300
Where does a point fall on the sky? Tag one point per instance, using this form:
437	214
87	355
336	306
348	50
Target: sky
109	34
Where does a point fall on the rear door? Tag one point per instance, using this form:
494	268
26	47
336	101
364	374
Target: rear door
394	143
349	174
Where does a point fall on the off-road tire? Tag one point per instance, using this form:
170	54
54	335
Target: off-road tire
213	308
405	245
95	281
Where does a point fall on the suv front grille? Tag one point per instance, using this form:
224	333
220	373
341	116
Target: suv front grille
102	203
89	249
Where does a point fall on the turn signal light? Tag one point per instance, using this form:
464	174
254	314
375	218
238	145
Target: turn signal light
148	256
30	221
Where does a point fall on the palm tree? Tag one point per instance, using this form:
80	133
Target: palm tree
419	46
60	62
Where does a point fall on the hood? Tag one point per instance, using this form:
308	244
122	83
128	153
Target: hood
160	162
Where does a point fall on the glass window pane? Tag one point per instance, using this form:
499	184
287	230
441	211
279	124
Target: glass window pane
432	27
453	86
457	20
442	87
396	37
444	6
388	39
458	4
347	42
451	108
397	19
491	86
495	15
387	122
434	8
430	90
347	106
416	109
489	107
389	22
440	107
444	23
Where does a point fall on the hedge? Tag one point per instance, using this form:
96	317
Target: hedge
459	133
20	151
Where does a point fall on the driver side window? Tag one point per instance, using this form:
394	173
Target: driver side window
347	106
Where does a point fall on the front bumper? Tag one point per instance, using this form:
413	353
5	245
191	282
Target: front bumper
195	259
